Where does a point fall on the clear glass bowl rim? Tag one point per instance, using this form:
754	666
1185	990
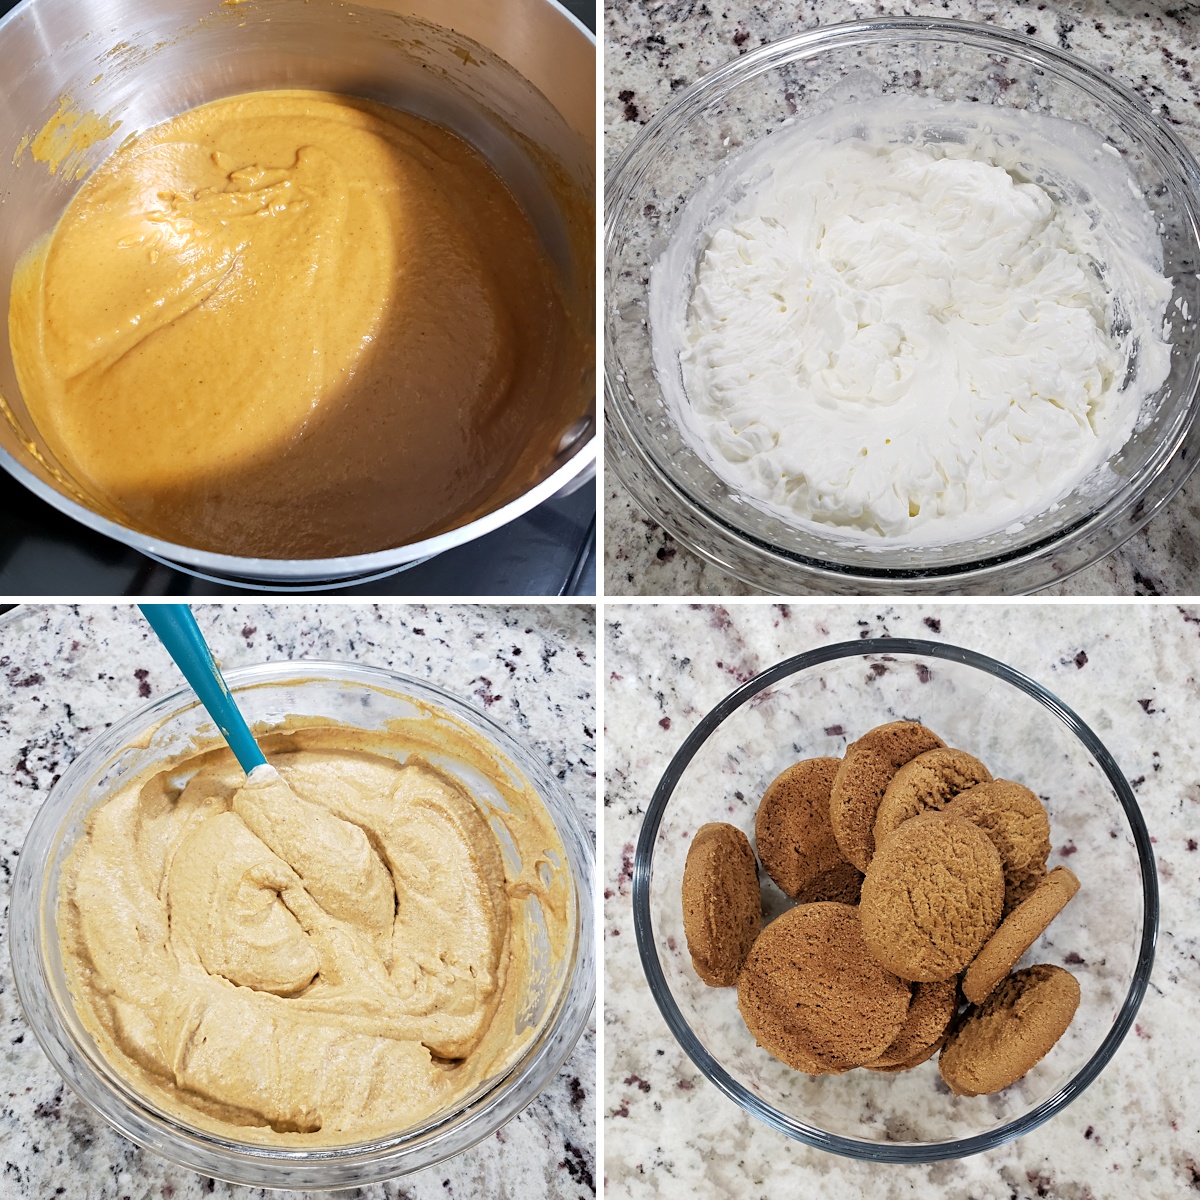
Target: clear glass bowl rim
742	1096
1089	538
357	1164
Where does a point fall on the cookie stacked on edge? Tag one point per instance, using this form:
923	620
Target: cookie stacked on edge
914	873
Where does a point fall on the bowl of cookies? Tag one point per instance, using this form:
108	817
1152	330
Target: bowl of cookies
896	900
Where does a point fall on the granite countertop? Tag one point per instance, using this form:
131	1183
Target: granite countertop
655	49
1130	671
68	672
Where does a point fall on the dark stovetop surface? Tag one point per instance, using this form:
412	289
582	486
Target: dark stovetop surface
550	551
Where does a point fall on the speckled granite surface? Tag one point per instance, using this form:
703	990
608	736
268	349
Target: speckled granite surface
67	672
1130	671
654	49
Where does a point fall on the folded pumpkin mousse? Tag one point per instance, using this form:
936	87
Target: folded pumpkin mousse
334	955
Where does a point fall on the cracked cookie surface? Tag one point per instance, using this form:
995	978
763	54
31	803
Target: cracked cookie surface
811	993
722	906
929	781
862	779
1015	820
931	897
1011	1032
795	838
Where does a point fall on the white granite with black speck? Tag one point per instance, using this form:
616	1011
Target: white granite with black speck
67	672
655	48
1132	670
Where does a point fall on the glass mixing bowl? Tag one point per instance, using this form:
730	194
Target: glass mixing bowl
557	1006
776	86
812	705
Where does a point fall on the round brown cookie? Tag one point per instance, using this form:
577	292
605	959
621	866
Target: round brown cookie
810	992
843	884
929	1013
795	841
931	780
1011	1032
908	1064
1017	933
931	897
722	907
862	779
767	1017
1018	890
1013	817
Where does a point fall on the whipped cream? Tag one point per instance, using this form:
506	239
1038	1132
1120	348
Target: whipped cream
913	320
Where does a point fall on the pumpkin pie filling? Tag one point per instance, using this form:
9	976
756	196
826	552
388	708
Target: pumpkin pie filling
293	324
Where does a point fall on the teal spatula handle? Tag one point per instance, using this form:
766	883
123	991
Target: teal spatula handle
178	631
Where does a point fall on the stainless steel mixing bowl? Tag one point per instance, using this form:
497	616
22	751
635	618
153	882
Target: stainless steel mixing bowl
515	78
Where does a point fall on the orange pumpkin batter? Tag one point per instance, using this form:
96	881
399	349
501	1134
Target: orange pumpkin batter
293	324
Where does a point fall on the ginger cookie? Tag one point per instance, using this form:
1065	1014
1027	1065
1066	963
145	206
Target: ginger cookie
1019	930
1018	890
931	780
929	1014
843	884
722	907
795	840
810	992
1013	817
862	779
766	1014
1011	1032
932	897
908	1064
